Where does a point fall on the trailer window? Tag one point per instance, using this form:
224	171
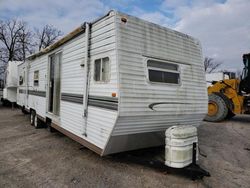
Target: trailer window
102	72
36	78
163	72
20	80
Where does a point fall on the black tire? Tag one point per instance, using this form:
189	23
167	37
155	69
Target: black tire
32	117
37	122
24	111
230	114
5	103
221	106
49	128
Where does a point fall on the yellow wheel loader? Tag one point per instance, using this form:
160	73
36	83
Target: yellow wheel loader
230	96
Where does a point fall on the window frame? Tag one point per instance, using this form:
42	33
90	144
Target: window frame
163	70
109	69
37	84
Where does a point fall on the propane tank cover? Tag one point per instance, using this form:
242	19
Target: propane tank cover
179	146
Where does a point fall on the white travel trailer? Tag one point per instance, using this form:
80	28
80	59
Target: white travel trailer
10	82
116	84
216	76
21	96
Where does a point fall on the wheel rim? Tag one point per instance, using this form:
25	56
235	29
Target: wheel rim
31	118
35	121
212	108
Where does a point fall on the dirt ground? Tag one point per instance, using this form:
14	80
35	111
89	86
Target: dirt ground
37	158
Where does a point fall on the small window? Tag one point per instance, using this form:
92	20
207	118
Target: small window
20	80
36	78
163	72
102	72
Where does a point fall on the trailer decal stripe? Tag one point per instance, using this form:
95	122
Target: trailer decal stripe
69	97
103	102
111	99
22	91
97	101
37	93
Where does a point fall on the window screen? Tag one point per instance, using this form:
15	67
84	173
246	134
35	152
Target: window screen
20	80
159	71
36	78
98	70
102	70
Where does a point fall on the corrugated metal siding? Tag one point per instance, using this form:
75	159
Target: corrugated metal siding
71	117
102	44
153	123
138	40
72	82
100	121
100	124
20	97
72	74
36	102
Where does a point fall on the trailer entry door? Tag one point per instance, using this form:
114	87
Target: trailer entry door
54	83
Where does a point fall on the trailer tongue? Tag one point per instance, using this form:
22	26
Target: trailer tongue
179	156
181	150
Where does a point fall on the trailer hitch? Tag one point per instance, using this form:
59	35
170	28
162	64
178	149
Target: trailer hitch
192	171
195	171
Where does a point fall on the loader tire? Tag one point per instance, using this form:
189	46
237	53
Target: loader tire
230	114
217	108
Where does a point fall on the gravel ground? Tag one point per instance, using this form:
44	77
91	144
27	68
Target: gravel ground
36	158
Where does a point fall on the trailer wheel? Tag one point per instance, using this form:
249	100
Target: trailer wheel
24	111
5	103
37	122
49	127
32	117
217	108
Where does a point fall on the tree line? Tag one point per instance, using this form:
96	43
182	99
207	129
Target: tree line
211	65
18	40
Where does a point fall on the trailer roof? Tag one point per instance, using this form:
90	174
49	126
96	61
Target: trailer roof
66	38
60	42
79	30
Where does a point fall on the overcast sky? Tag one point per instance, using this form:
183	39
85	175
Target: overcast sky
222	26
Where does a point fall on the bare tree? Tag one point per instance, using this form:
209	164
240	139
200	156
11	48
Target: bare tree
25	43
9	33
47	36
15	41
2	61
211	65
